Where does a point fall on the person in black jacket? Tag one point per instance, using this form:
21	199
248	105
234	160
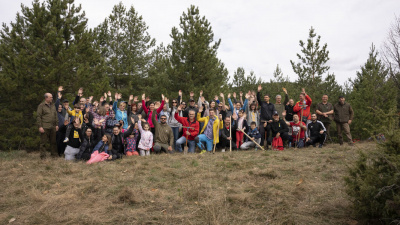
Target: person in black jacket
117	139
267	110
74	140
91	138
316	132
279	128
225	139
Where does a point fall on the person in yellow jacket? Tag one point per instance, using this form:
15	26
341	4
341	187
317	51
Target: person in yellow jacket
209	135
77	113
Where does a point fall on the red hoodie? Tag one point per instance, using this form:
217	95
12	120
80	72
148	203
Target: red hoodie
306	112
150	113
186	123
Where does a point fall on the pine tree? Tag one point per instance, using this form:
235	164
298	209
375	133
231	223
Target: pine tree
373	90
126	46
313	60
193	64
48	45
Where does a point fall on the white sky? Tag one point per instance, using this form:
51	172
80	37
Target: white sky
258	35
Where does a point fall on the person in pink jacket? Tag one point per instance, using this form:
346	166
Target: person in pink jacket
146	140
149	111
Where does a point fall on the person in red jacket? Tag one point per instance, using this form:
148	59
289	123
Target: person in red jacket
304	100
188	133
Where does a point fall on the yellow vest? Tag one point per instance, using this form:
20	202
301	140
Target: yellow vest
218	125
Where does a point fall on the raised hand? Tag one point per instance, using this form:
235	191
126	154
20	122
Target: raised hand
179	108
80	92
90	99
234	116
247	96
105	95
102	98
221	95
143	96
135	99
166	99
119	96
140	116
201	93
60	89
95	103
229	95
241	94
234	94
180	93
284	90
116	95
220	117
202	99
87	109
162	97
59	95
147	98
259	88
130	98
303	91
109	93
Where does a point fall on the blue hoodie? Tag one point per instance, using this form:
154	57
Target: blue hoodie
120	115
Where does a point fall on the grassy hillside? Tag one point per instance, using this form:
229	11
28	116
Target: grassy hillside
252	187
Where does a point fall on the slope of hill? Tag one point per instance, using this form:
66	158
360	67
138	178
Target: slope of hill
252	187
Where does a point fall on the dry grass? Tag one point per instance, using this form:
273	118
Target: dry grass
253	187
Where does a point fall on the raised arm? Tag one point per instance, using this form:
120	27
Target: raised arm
146	110
162	104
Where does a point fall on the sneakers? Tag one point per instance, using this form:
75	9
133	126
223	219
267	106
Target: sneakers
66	140
223	150
203	151
320	146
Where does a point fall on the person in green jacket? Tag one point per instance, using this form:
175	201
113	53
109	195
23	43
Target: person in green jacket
47	121
343	116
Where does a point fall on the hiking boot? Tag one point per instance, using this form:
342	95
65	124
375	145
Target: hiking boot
66	140
320	146
203	151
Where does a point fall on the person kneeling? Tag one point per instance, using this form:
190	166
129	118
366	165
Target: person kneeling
315	132
254	135
279	131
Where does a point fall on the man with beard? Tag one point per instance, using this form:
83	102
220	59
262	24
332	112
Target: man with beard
164	137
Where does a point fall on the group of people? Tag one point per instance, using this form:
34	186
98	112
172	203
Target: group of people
109	129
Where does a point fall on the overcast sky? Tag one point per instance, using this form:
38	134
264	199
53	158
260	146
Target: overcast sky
258	35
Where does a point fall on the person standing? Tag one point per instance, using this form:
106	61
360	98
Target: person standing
343	116
325	114
267	111
302	107
47	121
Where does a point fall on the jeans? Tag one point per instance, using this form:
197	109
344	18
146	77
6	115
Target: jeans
181	141
208	142
175	131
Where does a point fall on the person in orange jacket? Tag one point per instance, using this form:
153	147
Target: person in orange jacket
304	100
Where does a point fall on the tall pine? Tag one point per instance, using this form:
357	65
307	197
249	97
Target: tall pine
47	45
373	92
193	64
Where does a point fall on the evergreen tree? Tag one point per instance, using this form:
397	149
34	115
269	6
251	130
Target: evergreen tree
126	46
372	89
193	64
48	45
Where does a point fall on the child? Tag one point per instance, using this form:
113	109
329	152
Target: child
146	141
131	140
254	135
101	150
241	124
77	113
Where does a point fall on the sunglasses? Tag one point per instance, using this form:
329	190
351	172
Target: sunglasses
174	102
163	118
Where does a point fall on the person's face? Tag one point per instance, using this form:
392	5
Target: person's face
82	107
107	106
174	103
165	108
301	97
253	107
163	119
82	101
76	125
151	106
77	110
324	98
49	98
192	103
212	105
295	118
278	99
220	106
212	113
276	117
131	136
110	107
227	120
139	105
253	126
341	100
122	106
104	138
191	115
116	130
65	104
240	114
88	132
238	105
146	127
313	117
134	108
184	105
60	108
291	101
266	98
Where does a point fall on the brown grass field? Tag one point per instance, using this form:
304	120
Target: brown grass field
247	187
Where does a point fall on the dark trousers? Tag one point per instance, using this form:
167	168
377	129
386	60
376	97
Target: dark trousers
60	142
264	131
48	142
327	126
225	143
315	139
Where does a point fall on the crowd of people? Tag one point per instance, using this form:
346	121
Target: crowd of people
108	129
